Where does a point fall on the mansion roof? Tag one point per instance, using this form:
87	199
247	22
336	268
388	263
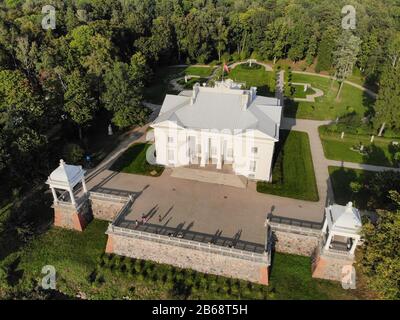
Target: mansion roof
224	106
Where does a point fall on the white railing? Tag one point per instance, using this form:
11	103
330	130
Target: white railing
295	229
241	254
108	196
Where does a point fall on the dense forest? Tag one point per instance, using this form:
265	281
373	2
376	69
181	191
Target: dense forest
103	52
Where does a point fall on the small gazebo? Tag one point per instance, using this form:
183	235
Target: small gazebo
342	226
66	177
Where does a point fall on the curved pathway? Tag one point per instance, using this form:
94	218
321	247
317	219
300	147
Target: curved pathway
267	67
366	90
310	97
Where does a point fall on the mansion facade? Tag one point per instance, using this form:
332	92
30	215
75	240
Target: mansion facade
221	126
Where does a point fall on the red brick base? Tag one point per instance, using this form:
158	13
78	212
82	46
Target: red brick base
109	246
73	220
264	275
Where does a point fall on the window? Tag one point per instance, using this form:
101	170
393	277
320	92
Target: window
252	166
254	150
170	139
170	155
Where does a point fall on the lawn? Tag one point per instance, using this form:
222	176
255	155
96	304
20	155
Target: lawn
293	172
256	76
82	267
353	100
160	84
300	93
134	161
341	178
199	71
191	82
291	279
381	152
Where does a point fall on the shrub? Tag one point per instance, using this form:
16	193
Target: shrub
235	56
138	266
226	57
73	153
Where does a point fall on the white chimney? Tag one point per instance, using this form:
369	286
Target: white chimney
245	100
196	89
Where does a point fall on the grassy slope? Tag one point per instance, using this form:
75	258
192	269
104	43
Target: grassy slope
259	78
76	256
134	161
293	172
326	107
336	148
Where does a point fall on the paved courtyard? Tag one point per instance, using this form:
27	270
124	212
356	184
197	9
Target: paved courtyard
201	207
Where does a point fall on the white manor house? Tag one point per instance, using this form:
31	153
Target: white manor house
222	125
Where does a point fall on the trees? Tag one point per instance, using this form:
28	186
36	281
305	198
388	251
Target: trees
21	112
78	103
387	111
124	85
345	57
275	44
380	259
220	37
325	51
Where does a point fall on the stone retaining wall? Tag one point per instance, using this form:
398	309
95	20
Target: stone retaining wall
295	240
202	261
106	208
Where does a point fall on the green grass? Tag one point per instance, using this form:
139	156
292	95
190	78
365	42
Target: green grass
300	93
326	107
380	152
293	172
134	161
81	266
160	84
198	71
254	77
191	82
341	178
291	279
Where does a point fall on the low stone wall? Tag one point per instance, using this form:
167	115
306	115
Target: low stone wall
295	240
136	246
106	207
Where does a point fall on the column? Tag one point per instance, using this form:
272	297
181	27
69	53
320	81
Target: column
84	185
71	194
53	191
203	151
353	247
325	224
328	241
219	154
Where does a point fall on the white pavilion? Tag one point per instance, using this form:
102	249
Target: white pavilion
342	226
65	178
